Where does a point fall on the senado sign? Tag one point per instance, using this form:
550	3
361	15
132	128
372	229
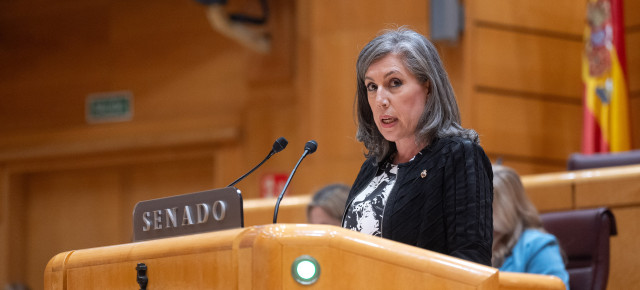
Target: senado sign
199	212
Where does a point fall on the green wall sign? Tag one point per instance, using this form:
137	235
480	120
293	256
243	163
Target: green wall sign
109	107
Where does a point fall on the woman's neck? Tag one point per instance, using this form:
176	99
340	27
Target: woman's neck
405	152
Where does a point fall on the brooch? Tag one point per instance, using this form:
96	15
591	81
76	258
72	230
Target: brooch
423	174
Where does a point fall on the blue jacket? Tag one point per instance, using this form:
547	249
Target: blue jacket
537	253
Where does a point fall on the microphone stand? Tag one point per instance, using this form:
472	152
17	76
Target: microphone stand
309	148
253	169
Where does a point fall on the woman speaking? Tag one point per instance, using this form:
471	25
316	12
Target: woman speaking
426	181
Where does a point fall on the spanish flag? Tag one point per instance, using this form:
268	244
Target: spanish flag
604	73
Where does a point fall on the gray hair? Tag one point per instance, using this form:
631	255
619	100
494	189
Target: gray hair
332	199
440	117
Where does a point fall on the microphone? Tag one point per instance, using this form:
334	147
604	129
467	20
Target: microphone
278	146
309	148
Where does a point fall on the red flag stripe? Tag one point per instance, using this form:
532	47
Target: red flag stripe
617	21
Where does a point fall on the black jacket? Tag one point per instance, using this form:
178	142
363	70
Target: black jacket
449	210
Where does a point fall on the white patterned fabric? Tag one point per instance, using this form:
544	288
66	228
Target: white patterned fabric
365	212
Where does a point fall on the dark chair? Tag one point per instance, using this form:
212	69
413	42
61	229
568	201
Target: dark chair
580	161
584	237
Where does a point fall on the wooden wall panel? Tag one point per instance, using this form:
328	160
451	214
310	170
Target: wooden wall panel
30	51
160	179
272	109
46	53
182	67
258	141
631	14
4	225
547	16
532	50
452	57
632	38
633	67
82	208
57	55
66	211
623	256
635	120
633	60
527	63
13	239
529	128
334	76
335	15
277	66
109	138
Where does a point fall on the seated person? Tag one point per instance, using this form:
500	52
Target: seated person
520	244
327	205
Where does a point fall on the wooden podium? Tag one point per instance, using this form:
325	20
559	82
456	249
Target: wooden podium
261	257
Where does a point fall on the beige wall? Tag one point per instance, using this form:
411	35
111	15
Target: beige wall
207	109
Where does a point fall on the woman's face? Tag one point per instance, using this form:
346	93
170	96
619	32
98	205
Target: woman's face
396	98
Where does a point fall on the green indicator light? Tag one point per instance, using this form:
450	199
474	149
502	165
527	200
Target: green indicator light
305	270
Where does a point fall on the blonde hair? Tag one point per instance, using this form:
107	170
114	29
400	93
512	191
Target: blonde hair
513	213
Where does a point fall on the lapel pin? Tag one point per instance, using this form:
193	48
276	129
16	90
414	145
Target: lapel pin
423	174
